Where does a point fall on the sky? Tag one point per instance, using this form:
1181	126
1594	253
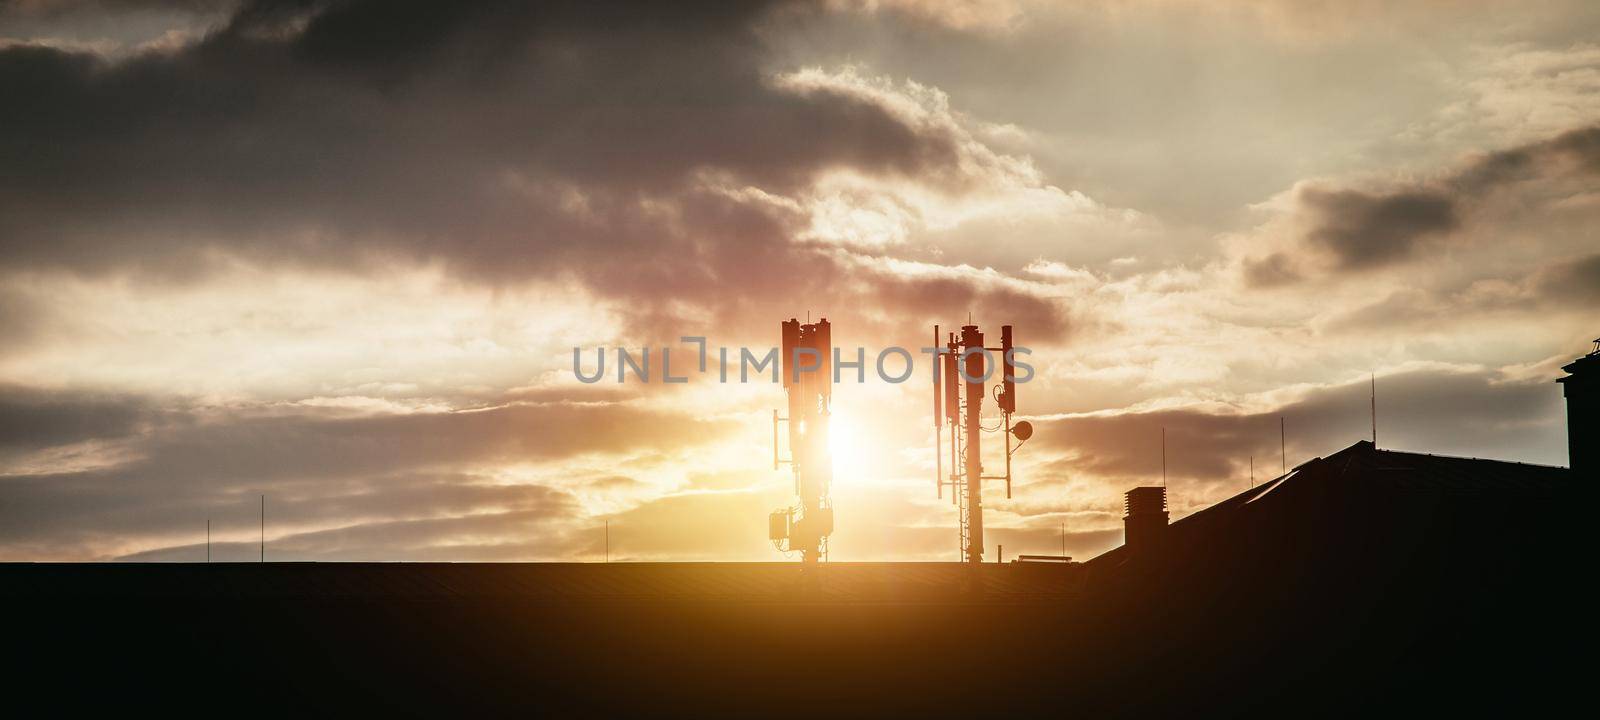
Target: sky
339	255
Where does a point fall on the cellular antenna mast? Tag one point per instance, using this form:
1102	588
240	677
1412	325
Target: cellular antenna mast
808	379
964	361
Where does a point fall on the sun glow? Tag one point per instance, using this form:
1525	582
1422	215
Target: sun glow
847	447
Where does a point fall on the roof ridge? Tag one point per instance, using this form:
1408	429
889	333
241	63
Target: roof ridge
1369	446
1468	458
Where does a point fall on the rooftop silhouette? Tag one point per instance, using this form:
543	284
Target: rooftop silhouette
1364	576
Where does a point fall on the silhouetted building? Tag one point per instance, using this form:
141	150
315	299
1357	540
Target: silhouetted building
1364	578
1360	505
1145	521
1414	577
1582	388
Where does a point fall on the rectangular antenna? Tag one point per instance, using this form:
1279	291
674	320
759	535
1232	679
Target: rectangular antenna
791	340
938	409
938	421
952	388
822	341
1008	385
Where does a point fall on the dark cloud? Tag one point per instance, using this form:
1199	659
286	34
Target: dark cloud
254	447
932	298
600	142
1356	230
1572	151
1363	230
13	9
1200	445
1478	413
121	23
22	320
1572	283
539	532
508	140
1270	271
32	418
316	469
1561	287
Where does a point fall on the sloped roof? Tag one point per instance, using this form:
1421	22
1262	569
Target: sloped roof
1363	482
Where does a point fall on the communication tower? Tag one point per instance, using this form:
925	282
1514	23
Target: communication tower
959	378
807	372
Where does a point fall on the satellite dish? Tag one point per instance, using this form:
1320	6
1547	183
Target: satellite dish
1023	430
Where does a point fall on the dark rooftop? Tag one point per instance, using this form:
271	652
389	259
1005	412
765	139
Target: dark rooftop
1320	592
1350	490
554	582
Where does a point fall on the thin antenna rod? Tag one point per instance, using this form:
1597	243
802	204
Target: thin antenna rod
208	540
1063	539
1374	378
1283	445
1252	471
1163	457
608	541
263	528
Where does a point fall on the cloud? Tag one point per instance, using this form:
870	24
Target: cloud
990	16
1572	282
486	135
1566	287
1475	412
952	296
1270	271
1337	231
319	467
540	530
1524	89
645	152
108	27
1575	151
33	418
1362	230
697	526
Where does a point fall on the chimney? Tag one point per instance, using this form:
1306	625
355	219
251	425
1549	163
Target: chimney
1146	521
1582	388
